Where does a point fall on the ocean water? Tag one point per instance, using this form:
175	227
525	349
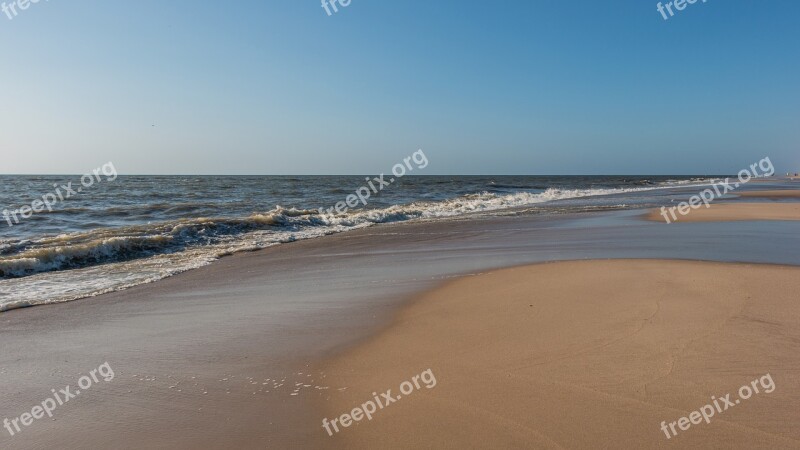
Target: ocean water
130	230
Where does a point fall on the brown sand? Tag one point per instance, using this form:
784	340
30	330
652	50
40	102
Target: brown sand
592	354
275	313
774	195
727	212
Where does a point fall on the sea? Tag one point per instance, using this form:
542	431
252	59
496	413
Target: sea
129	230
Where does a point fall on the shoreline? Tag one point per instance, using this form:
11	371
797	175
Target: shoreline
778	189
199	346
400	226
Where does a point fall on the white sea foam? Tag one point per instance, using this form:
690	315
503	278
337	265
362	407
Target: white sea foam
72	266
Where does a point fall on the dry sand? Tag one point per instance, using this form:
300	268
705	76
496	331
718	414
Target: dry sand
774	195
592	354
727	212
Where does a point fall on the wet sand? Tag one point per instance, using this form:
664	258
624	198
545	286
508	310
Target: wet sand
591	354
192	353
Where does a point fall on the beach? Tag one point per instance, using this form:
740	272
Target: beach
773	195
400	225
736	212
589	354
572	330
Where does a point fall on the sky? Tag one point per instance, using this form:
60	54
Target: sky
506	87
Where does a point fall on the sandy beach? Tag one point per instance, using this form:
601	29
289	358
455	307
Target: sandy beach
773	195
591	354
726	212
343	224
782	205
258	348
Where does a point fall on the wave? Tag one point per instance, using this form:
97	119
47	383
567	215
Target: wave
221	236
65	267
691	181
84	249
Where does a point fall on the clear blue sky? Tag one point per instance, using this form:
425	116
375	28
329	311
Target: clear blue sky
506	87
